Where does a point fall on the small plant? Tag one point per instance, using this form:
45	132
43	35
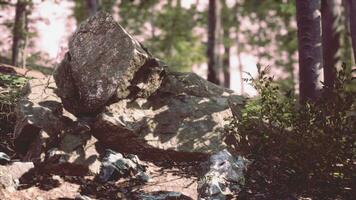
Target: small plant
10	86
299	145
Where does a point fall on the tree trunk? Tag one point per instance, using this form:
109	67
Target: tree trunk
214	28
226	66
92	7
348	55
227	44
352	14
19	32
240	66
330	16
309	48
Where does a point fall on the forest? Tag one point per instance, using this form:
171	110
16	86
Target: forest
177	99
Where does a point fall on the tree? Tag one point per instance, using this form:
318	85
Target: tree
20	33
87	8
226	23
172	37
92	7
352	15
331	13
238	44
214	60
309	48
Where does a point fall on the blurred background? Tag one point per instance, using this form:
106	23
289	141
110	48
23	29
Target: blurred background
243	33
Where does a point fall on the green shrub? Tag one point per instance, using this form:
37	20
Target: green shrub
10	86
302	147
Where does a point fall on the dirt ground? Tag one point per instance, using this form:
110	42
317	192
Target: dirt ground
37	186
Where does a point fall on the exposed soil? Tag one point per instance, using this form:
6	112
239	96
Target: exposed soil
37	185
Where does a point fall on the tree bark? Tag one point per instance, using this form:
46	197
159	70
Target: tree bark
214	28
330	17
352	15
348	54
240	66
92	7
309	48
226	66
19	32
226	23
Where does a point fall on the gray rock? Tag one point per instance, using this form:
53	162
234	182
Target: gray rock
104	62
115	165
187	114
43	124
82	197
162	195
39	109
77	154
4	158
224	178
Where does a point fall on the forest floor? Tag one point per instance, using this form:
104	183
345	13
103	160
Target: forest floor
37	185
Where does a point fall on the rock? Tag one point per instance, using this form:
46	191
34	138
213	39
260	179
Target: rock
4	158
10	174
77	154
82	197
162	195
187	114
39	109
36	150
103	63
224	178
115	165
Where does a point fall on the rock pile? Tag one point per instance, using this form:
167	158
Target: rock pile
109	92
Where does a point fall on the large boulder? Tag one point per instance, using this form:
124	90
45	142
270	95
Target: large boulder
187	114
109	86
104	63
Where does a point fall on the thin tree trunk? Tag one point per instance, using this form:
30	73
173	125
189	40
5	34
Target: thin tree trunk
238	46
331	13
152	22
309	48
240	66
92	7
24	51
347	41
226	66
226	24
19	32
213	39
352	13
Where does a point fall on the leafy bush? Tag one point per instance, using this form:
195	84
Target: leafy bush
307	147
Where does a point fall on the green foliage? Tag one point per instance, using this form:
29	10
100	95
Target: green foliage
10	86
177	45
300	145
173	40
79	11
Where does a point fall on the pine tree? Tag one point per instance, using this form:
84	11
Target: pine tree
20	33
